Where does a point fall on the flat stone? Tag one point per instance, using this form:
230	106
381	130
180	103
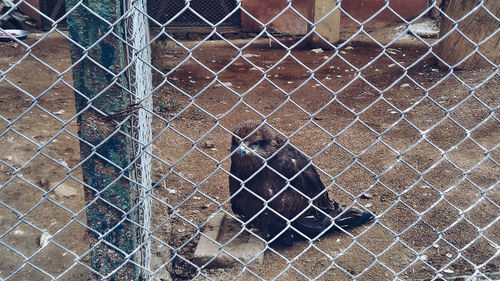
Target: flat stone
222	228
65	190
366	195
160	262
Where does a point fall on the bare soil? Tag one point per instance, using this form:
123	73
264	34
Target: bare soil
420	142
39	164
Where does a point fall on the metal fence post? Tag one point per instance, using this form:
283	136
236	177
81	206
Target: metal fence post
106	151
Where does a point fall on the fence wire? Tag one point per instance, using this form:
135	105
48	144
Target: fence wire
392	123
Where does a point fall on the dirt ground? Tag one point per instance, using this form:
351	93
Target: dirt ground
429	162
38	167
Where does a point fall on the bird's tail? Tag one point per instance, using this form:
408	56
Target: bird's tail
312	227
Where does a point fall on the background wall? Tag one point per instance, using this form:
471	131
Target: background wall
292	23
264	10
361	10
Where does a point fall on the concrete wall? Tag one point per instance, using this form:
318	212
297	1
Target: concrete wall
264	10
291	23
30	12
361	10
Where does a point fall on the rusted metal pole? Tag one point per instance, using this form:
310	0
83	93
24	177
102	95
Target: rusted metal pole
102	106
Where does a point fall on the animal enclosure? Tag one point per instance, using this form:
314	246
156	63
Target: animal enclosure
390	128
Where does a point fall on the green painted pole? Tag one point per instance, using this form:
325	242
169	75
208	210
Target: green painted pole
104	147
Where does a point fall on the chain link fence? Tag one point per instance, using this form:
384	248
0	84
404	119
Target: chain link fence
116	138
212	12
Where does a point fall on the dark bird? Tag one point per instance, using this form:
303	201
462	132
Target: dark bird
12	17
272	183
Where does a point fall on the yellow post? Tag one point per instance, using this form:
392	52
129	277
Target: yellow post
327	23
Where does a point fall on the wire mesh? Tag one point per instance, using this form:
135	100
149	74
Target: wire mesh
391	123
176	13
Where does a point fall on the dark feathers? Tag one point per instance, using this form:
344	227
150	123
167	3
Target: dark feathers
261	165
12	17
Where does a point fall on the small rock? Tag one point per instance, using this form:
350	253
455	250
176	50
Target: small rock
391	65
435	246
368	205
404	85
256	68
44	240
449	271
59	112
449	255
227	84
423	257
343	52
65	190
325	57
349	48
317	51
251	55
208	144
366	195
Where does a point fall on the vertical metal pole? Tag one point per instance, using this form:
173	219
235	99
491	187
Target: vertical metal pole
139	54
106	151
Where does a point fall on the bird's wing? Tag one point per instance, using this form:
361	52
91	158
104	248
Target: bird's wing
289	162
234	187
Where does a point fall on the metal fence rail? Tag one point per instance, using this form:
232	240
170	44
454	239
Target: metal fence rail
116	137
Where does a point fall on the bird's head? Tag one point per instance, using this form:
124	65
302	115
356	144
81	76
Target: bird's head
250	142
